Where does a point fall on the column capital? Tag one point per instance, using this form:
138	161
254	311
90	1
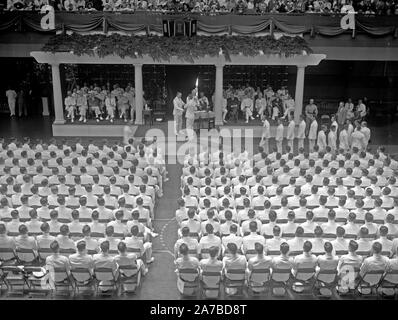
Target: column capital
301	66
54	64
219	64
139	64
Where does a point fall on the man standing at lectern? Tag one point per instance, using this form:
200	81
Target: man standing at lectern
177	112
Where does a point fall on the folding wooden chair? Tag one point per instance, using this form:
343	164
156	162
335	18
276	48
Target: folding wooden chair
368	284
15	280
82	279
26	256
60	281
37	280
258	281
280	280
43	254
303	280
325	282
235	279
7	256
389	282
129	278
67	252
188	281
210	284
105	279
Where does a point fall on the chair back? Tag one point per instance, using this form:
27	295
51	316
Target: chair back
6	254
341	252
327	276
44	253
281	275
373	277
97	235
25	255
211	279
104	274
59	275
188	274
259	276
392	277
235	274
81	274
67	252
304	274
128	270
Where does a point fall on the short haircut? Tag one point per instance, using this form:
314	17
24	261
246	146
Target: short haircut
81	245
307	246
284	248
259	248
105	246
328	247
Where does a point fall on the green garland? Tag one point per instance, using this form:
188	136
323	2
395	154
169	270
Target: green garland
163	48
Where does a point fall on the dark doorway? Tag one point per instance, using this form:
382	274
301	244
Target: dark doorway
183	78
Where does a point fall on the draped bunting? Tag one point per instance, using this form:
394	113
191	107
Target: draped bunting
328	25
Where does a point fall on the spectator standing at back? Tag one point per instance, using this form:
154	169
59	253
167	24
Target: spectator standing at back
22	106
12	98
311	112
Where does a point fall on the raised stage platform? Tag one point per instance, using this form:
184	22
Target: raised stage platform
90	129
106	129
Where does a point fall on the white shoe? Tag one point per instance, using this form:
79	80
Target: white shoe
166	179
154	234
145	271
72	120
101	118
252	118
81	119
97	120
247	121
125	120
107	118
85	120
111	120
150	261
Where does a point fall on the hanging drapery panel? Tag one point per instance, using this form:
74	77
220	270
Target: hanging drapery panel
328	25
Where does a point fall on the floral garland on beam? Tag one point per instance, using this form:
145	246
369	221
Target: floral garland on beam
187	49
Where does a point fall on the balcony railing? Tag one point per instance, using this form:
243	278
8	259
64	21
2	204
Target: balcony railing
151	21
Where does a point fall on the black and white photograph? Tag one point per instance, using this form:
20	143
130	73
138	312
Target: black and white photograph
197	157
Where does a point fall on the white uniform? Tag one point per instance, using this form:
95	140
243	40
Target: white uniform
312	134
321	142
11	97
279	137
343	140
332	140
301	134
290	134
266	135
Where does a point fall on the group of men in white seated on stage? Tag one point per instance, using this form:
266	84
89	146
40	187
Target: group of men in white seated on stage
320	210
257	103
92	203
101	101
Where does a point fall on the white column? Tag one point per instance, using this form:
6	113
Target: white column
138	93
298	98
57	92
218	95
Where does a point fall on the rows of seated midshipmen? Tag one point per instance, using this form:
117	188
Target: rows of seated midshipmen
67	225
54	160
274	205
282	267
